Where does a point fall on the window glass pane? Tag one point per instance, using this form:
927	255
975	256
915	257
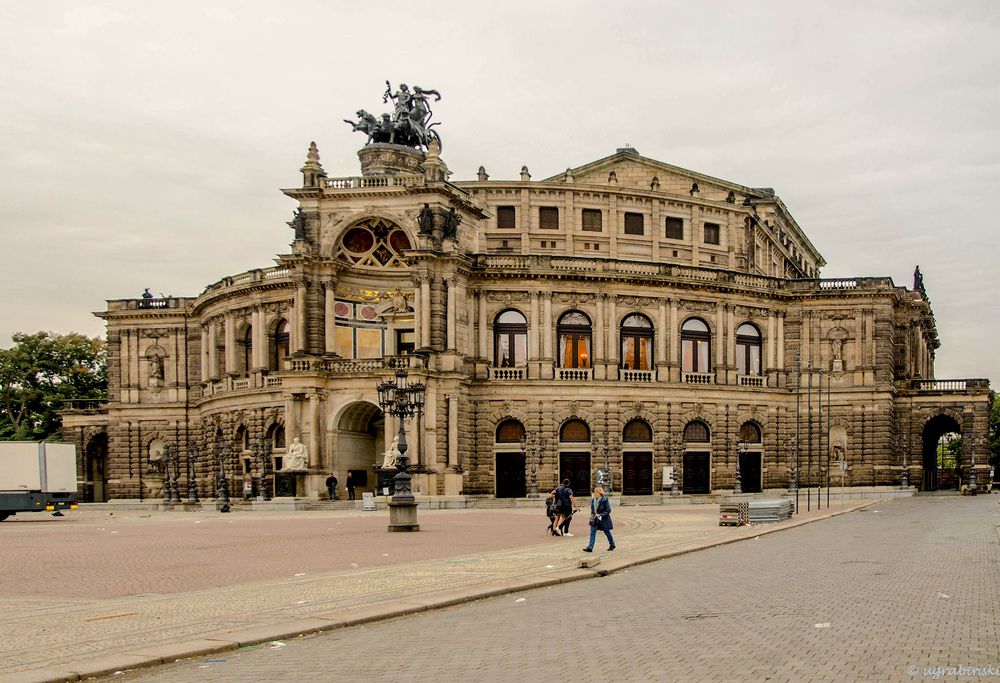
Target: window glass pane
675	228
511	317
696	432
636	320
711	233
520	349
633	224
695	325
548	218
592	220
574	430
703	363
505	217
574	318
645	347
583	354
628	353
754	360
509	431
637	431
687	355
503	351
747	330
565	351
741	359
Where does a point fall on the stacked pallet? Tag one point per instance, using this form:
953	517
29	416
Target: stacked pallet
762	511
734	513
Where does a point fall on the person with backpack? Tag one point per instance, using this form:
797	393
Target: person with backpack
564	507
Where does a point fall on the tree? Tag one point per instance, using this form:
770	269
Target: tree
39	372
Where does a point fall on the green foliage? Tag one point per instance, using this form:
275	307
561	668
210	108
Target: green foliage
38	373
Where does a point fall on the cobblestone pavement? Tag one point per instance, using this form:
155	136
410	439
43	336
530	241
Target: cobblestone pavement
887	593
77	597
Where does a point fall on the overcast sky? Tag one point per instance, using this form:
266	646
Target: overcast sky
143	144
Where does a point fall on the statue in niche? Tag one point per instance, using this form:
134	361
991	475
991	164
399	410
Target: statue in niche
391	455
426	220
451	223
156	367
838	349
297	458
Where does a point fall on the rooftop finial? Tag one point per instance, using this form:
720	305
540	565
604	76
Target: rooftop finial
312	170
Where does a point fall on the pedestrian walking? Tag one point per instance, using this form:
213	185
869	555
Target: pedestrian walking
331	486
600	519
350	486
564	507
247	486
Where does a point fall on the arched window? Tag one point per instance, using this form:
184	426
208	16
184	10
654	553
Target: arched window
374	243
276	434
696	346
510	339
510	431
697	432
242	439
574	431
750	432
637	342
574	340
747	350
637	431
246	351
279	345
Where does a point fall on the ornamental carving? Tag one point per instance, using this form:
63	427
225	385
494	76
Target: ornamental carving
698	306
374	243
507	298
156	332
750	312
574	299
638	301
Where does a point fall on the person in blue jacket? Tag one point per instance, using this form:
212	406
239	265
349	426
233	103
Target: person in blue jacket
600	511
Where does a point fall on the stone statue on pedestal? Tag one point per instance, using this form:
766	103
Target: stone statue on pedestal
298	457
391	455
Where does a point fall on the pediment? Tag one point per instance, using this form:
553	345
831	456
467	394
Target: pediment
627	170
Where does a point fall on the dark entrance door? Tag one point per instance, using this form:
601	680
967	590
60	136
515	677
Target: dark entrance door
697	477
510	475
638	475
95	470
750	472
576	468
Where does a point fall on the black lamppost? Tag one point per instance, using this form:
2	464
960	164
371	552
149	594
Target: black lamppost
741	447
972	468
262	452
904	443
171	473
402	400
192	472
533	445
672	449
222	482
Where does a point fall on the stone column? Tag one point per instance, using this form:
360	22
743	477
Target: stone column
330	327
425	314
770	343
804	332
547	325
299	343
452	314
870	338
719	341
484	347
418	315
204	353
859	349
213	350
452	430
674	346
534	322
598	354
314	431
291	419
612	331
661	332
781	341
260	338
730	359
230	331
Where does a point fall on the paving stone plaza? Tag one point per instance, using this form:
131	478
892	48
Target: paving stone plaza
865	591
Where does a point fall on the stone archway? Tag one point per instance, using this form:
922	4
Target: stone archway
358	445
945	476
95	469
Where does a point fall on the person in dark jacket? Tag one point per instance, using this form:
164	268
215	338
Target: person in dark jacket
350	486
600	510
564	506
331	486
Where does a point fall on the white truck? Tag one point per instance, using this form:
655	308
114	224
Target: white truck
36	476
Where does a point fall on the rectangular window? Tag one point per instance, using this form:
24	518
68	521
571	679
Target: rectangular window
592	220
711	233
505	217
548	217
633	224
675	228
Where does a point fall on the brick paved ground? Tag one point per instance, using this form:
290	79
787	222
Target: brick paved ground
860	597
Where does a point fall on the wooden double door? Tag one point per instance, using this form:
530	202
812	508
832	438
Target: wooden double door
510	475
697	475
576	468
750	472
637	475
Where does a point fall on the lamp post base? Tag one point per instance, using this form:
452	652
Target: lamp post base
403	515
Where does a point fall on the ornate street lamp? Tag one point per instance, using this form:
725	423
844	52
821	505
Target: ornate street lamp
534	446
905	444
262	452
972	469
192	472
221	452
672	449
171	473
402	400
741	447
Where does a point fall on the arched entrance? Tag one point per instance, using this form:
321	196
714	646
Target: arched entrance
510	476
358	445
942	453
95	469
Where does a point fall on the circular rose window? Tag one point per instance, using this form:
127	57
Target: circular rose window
358	240
374	243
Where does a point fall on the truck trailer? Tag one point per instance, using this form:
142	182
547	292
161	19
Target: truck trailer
36	477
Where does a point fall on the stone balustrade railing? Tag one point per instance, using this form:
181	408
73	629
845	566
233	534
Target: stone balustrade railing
507	374
85	405
372	182
575	374
752	380
636	375
250	277
698	377
950	385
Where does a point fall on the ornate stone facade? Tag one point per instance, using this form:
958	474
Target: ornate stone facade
626	311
